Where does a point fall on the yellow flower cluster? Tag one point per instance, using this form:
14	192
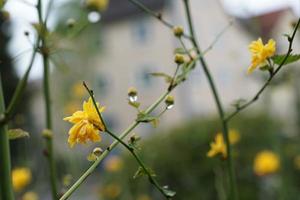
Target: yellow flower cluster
260	53
218	146
266	162
21	177
86	124
98	5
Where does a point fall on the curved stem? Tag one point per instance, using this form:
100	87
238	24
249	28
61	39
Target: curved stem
6	189
230	166
257	95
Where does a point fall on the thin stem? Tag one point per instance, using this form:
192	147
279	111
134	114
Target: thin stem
6	190
112	146
156	15
257	95
47	99
18	93
230	167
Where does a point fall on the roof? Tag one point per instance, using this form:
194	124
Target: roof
122	9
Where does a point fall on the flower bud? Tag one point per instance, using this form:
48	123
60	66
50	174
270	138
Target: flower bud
71	22
179	58
132	94
47	134
178	31
169	102
97	151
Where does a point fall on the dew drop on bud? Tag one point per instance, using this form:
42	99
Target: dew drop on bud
170	106
94	17
133	98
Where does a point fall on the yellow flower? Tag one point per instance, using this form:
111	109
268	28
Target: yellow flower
98	5
266	162
78	90
113	164
86	124
234	136
260	53
111	191
21	177
30	196
219	146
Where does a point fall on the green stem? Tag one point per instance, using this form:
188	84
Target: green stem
46	88
6	190
257	95
230	167
49	141
111	147
130	149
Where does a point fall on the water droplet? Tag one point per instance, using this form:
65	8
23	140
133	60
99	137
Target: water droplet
170	106
133	98
166	187
94	17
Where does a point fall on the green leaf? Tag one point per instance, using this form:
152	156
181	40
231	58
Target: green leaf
17	133
134	104
143	117
167	77
141	172
91	157
179	50
277	59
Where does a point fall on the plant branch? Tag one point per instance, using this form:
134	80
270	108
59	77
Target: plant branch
262	89
6	190
230	166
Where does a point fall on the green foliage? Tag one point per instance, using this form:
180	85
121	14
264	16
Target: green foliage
179	159
14	134
277	59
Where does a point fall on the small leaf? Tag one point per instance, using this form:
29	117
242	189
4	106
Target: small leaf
167	77
140	172
17	133
155	122
143	117
134	104
277	59
180	51
91	157
169	193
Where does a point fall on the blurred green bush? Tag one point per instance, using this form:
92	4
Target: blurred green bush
179	159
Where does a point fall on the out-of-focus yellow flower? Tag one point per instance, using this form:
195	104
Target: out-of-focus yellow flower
260	53
219	146
98	5
234	136
71	107
86	124
113	164
266	162
21	177
78	90
111	191
297	162
143	197
30	196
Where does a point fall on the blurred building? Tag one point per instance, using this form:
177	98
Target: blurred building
136	44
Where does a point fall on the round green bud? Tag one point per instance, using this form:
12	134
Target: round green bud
178	31
179	58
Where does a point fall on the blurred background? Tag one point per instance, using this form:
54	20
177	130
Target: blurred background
120	47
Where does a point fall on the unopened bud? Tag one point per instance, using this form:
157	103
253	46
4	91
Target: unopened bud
97	151
71	22
179	58
178	31
169	102
132	94
47	134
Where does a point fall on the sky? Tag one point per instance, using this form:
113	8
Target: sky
23	13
